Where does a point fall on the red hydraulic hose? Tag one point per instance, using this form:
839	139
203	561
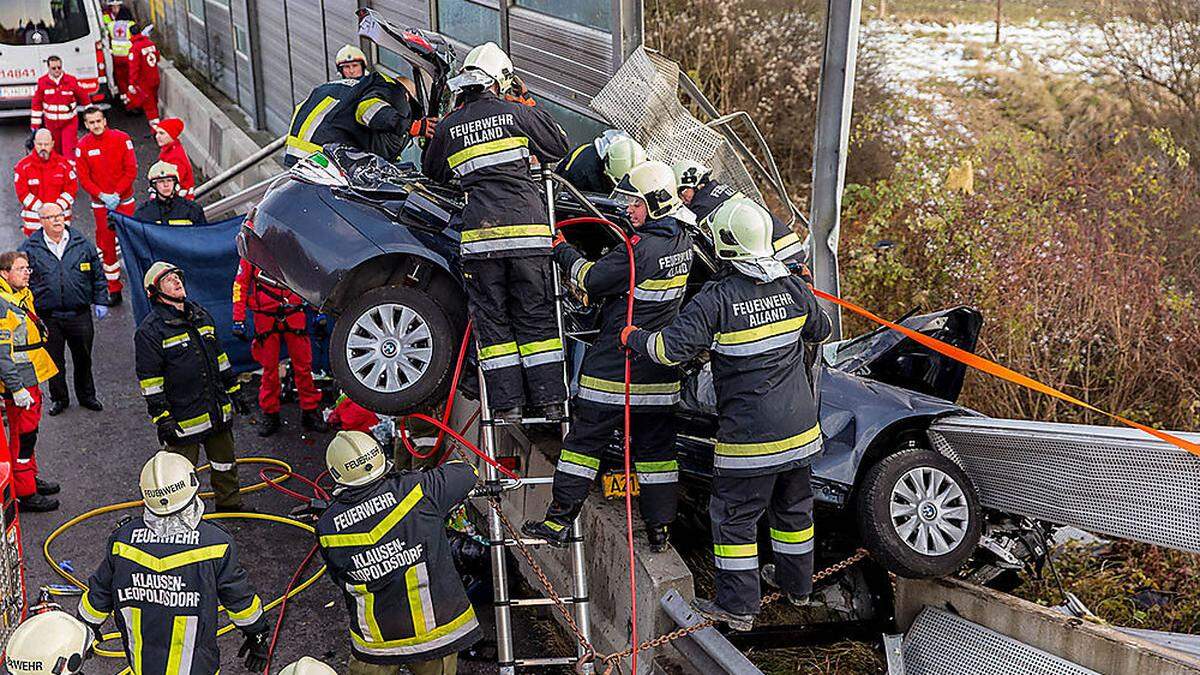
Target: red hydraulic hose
448	408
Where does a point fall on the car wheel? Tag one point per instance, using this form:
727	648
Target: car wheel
918	514
391	349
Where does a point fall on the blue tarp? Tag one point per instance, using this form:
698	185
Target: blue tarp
208	256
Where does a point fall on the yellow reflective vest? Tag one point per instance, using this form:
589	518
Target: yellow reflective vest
24	361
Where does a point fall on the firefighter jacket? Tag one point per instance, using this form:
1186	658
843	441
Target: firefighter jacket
768	420
56	103
787	244
327	116
71	284
164	591
173	153
385	546
486	144
387	111
662	257
24	361
42	181
254	291
143	69
174	211
184	374
106	163
584	169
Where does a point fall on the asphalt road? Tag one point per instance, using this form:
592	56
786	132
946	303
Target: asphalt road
97	458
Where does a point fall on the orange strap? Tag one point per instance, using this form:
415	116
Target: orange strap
1007	374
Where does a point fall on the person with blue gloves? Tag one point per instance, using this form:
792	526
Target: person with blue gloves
69	288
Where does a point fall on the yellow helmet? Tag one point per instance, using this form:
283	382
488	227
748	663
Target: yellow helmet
622	155
50	643
169	483
741	230
307	665
354	458
349	54
155	274
162	169
653	183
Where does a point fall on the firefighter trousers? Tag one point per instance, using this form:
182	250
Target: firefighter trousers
265	350
22	440
735	508
511	301
594	428
106	242
446	665
218	449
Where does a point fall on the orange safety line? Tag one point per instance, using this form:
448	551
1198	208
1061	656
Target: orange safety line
1007	374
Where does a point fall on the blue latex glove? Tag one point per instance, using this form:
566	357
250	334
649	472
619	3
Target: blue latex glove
239	330
111	200
100	311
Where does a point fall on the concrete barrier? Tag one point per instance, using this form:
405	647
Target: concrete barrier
214	141
1094	646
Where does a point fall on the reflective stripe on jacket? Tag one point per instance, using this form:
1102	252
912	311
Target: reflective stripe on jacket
24	361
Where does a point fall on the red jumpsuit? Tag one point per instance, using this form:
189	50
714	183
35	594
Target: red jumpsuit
350	416
143	77
39	182
278	318
55	106
173	153
106	163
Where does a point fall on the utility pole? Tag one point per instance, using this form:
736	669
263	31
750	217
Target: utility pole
999	12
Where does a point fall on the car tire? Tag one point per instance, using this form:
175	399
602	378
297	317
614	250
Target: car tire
919	514
391	349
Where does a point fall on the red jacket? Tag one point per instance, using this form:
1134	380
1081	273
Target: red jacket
39	181
257	293
143	69
56	103
350	416
173	153
106	163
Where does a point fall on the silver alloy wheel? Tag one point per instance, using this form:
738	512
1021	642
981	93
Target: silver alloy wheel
389	347
929	511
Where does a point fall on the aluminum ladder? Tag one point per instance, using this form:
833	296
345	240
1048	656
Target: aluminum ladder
499	540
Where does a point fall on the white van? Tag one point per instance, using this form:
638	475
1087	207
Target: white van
33	30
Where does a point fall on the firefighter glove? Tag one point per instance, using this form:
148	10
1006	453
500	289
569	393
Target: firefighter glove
423	128
239	331
167	431
23	398
239	404
100	311
625	334
111	200
255	649
558	239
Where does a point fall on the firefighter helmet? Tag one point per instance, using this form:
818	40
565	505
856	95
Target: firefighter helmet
162	169
741	230
622	155
169	483
350	54
307	665
653	183
689	174
354	458
489	60
155	274
50	643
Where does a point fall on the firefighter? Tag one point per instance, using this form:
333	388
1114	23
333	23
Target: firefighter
279	319
755	318
168	135
662	255
165	206
189	385
24	365
56	100
141	91
703	195
163	575
599	165
49	642
307	665
106	166
384	542
486	144
43	177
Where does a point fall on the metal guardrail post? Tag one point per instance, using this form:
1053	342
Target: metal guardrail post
237	169
706	650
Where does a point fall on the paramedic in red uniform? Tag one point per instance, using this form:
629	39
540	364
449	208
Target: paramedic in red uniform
56	101
142	90
170	150
106	167
43	177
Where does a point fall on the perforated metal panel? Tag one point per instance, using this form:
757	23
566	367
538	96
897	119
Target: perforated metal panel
941	643
1111	481
643	99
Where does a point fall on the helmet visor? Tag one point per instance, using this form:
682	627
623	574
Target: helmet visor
471	77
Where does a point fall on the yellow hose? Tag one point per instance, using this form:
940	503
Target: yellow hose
268	517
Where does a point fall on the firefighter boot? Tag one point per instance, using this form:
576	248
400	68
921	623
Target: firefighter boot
311	420
555	534
659	536
270	425
710	610
768	576
36	503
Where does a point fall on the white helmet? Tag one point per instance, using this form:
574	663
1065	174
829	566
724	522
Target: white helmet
653	183
741	230
484	66
307	665
50	643
622	155
354	458
161	169
169	483
350	54
689	174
